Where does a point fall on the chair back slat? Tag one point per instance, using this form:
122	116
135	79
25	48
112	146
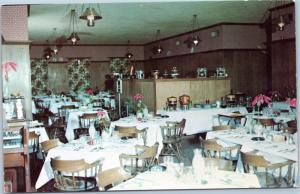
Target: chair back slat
221	127
111	177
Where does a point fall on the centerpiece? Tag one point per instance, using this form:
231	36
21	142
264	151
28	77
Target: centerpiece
104	123
259	102
293	103
138	98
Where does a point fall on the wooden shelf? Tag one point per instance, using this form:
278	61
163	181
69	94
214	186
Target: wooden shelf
18	156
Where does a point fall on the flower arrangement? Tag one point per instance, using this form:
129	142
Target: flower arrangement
6	67
261	101
104	120
292	102
138	98
89	91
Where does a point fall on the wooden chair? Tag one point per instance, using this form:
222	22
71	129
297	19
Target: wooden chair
292	126
180	129
75	175
221	164
111	177
33	143
127	132
132	132
211	149
85	120
97	103
252	163
141	161
63	111
48	145
221	127
268	123
170	136
290	130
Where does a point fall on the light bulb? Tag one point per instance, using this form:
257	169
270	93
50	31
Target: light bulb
281	23
90	20
195	41
73	40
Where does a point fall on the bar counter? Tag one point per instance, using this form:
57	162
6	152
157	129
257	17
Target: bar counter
156	91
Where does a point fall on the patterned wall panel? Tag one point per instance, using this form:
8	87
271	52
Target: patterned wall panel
39	76
79	75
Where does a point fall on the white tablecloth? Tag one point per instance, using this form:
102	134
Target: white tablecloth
41	131
153	132
199	120
168	180
73	121
274	152
113	147
239	136
55	105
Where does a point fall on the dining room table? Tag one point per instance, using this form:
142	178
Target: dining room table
73	119
263	143
174	178
107	150
199	120
152	123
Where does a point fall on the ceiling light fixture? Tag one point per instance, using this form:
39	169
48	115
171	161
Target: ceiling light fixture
73	22
54	48
128	54
195	39
90	14
158	49
48	52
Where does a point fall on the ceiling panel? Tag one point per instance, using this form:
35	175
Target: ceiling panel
138	22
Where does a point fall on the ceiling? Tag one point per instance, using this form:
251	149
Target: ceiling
138	22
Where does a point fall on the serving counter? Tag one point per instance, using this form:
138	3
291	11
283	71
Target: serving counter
156	91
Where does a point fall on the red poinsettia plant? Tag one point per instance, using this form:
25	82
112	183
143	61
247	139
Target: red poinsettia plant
261	100
89	91
138	96
292	102
104	119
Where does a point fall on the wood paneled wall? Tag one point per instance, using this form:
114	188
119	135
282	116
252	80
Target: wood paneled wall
284	65
247	68
58	78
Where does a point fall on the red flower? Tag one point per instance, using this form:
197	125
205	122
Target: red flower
292	102
89	91
101	113
138	96
262	99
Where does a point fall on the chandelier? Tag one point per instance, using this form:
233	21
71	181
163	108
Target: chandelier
73	23
196	38
158	49
128	54
90	15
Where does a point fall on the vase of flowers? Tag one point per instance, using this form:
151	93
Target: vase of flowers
104	122
259	102
138	98
293	103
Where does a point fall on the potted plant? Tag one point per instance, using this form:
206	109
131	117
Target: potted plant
259	102
138	98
